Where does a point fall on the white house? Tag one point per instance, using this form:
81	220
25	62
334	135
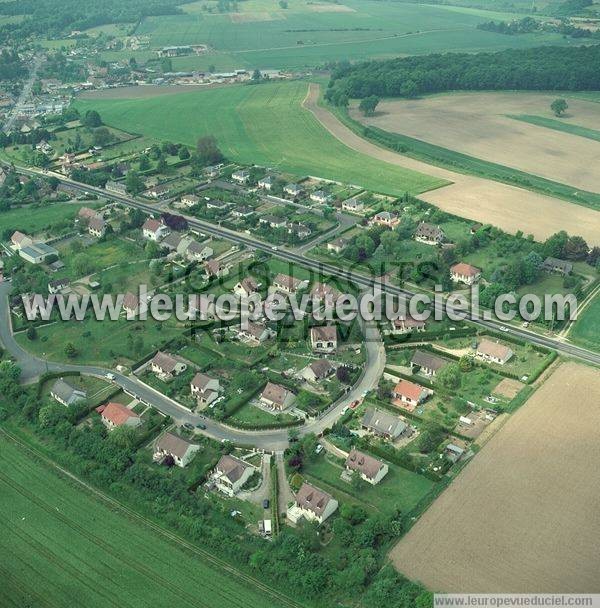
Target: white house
189	200
154	230
197	252
320	196
353	205
65	393
255	333
266	182
114	415
283	283
205	389
313	504
241	177
178	448
277	397
245	288
231	474
410	393
370	469
465	273
494	352
323	339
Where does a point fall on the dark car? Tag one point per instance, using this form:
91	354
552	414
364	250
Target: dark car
188	426
201	426
266	503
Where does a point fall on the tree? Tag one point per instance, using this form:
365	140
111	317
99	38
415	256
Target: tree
31	333
134	182
102	136
91	119
207	150
144	163
559	106
368	104
183	153
70	350
449	376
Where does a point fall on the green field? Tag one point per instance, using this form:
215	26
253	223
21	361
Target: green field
558	125
308	34
61	546
34	218
586	330
264	125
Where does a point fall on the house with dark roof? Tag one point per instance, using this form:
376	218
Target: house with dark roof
198	252
407	324
384	425
318	370
255	333
166	367
494	352
313	504
231	474
131	303
429	234
97	227
58	285
370	469
428	363
557	265
286	284
246	287
172	446
65	393
338	245
205	389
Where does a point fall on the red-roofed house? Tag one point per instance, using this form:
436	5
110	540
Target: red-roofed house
313	504
410	394
116	414
465	273
370	469
154	230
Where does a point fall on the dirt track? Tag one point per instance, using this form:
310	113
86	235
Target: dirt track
478	124
524	516
481	200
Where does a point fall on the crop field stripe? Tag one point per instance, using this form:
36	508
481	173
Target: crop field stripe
557	125
22	469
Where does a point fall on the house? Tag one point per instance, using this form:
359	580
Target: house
370	469
197	252
116	414
323	339
241	177
428	363
116	187
20	240
272	221
36	253
286	284
407	324
255	333
166	367
189	200
58	285
299	230
214	268
246	287
337	245
386	219
204	388
313	504
266	183
465	273
453	452
159	191
154	230
243	212
318	370
277	397
65	393
171	241
383	425
320	196
494	352
410	393
324	292
215	204
293	190
556	265
353	205
172	446
200	307
429	234
97	227
231	473
131	303
475	228
213	171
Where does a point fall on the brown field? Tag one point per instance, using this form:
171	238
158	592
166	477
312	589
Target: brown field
524	515
477	124
508	388
143	92
475	198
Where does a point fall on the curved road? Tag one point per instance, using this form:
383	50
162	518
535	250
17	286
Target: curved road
273	440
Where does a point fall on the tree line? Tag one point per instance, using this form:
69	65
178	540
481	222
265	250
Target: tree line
543	68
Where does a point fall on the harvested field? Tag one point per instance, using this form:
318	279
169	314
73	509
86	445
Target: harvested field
482	200
523	516
478	124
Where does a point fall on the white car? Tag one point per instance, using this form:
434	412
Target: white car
110	376
318	449
503	328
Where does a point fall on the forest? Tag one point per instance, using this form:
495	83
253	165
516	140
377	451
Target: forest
537	69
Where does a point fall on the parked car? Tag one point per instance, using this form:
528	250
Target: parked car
266	503
201	426
318	449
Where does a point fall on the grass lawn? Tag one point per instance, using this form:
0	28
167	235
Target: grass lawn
33	219
251	415
97	390
103	343
586	330
237	116
399	489
67	547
